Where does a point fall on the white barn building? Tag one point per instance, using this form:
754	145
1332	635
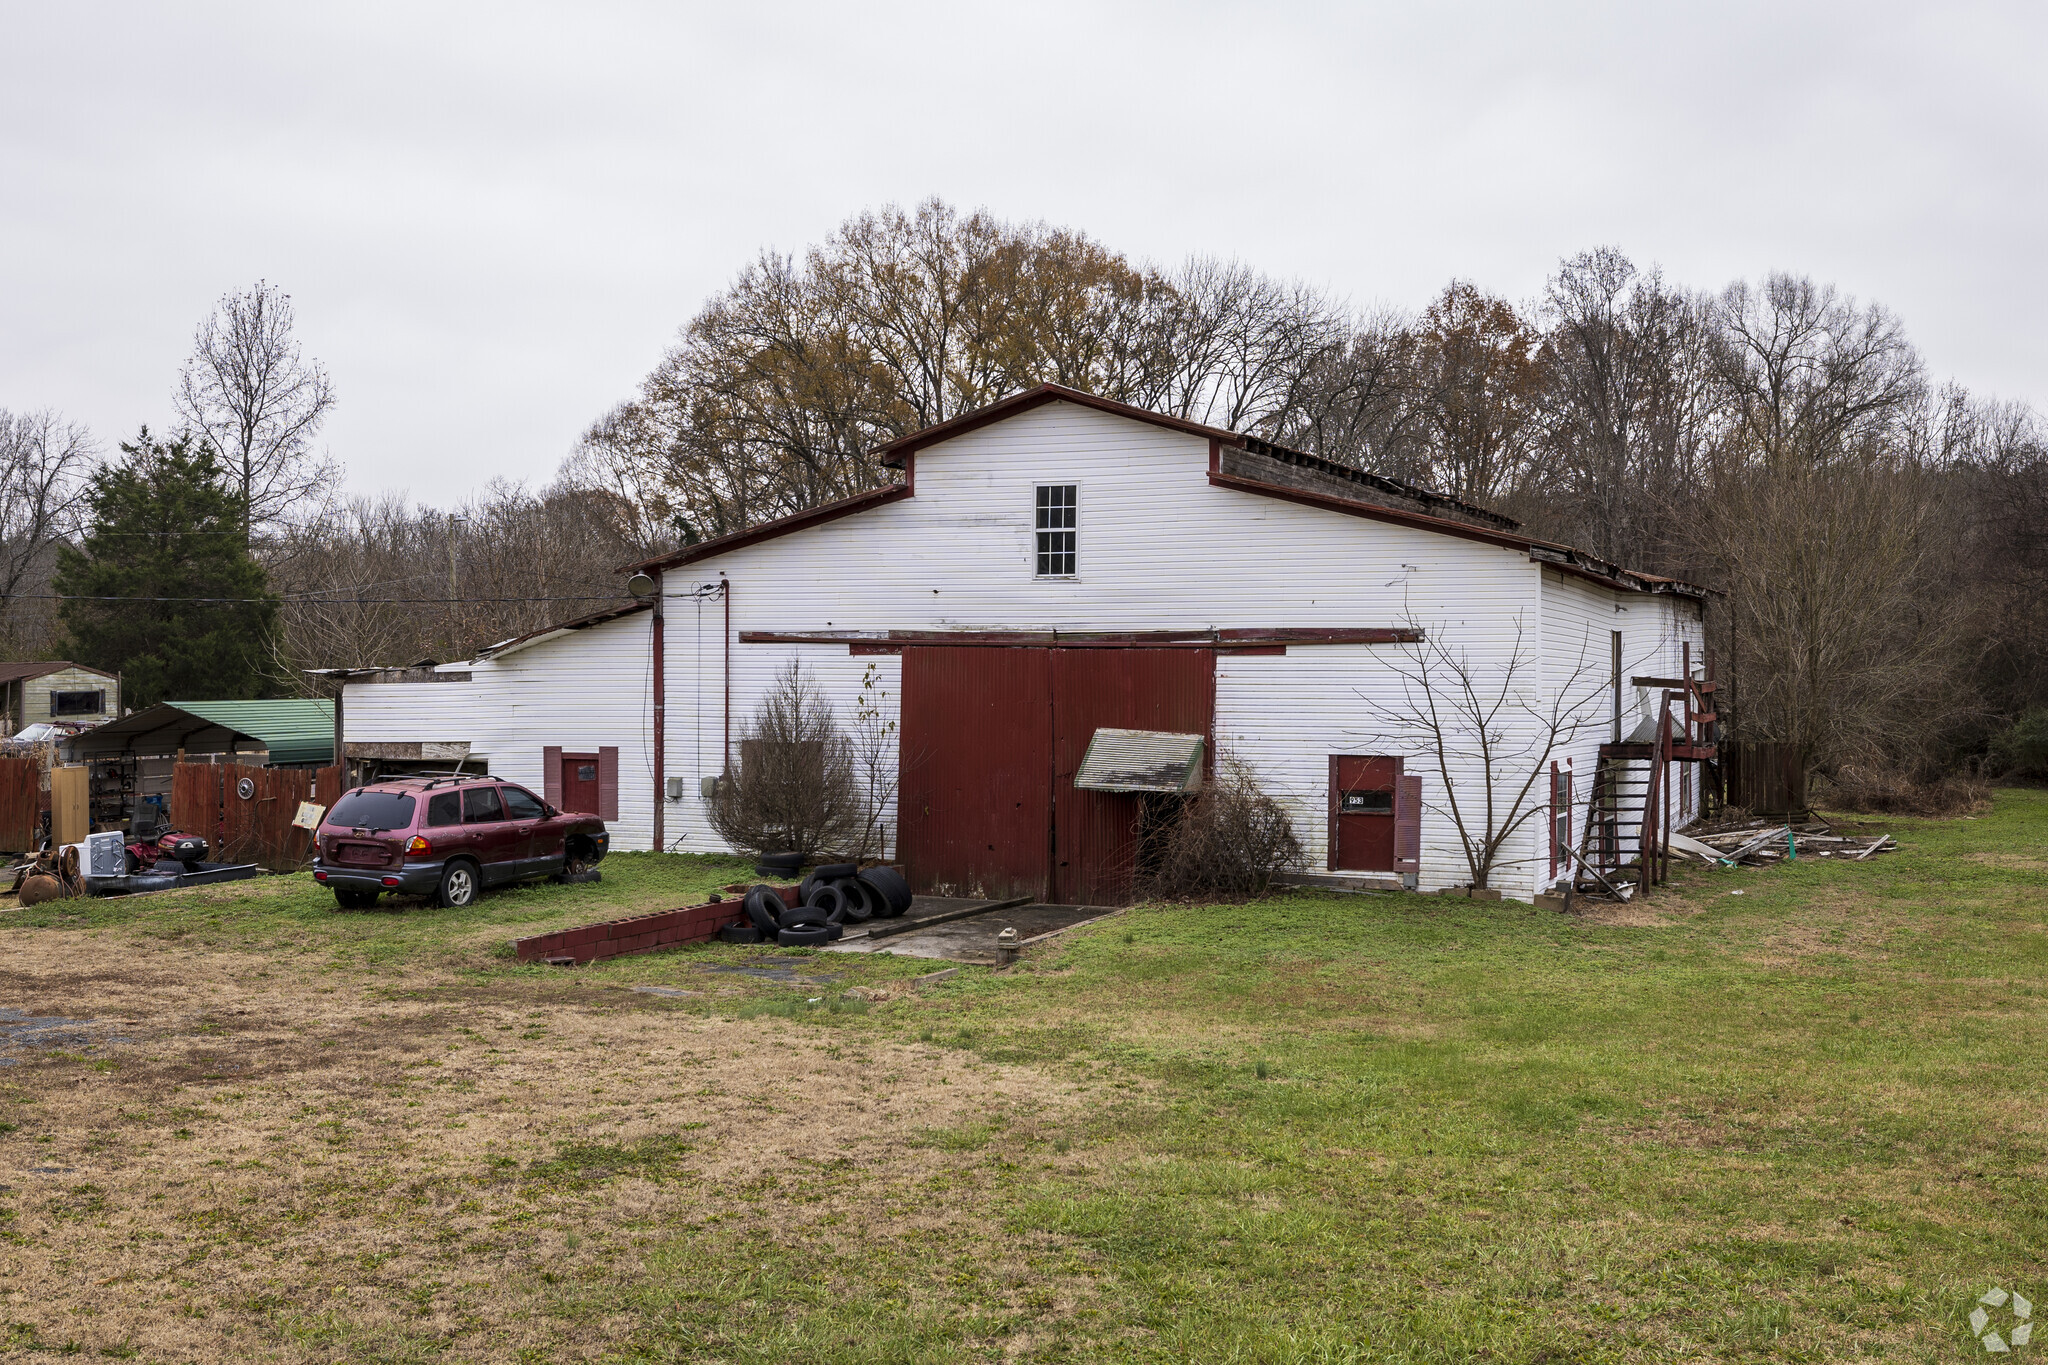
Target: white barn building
1055	564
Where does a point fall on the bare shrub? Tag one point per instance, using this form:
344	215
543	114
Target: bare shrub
797	786
1227	839
1888	791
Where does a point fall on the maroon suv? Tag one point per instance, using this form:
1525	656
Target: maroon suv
448	837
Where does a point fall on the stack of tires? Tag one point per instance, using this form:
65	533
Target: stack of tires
832	897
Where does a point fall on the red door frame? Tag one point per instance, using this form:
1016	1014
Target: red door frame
1330	843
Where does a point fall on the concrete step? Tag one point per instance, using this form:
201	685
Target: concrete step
1341	881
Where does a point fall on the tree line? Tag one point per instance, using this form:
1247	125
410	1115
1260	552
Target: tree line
1877	535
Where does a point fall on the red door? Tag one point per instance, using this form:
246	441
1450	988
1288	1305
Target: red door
1362	813
579	783
1095	834
975	800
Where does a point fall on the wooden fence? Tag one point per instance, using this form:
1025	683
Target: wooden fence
1765	779
21	804
246	813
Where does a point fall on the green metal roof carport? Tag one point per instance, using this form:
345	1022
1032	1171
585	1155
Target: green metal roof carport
294	731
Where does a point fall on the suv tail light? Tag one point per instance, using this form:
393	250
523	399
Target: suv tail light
418	845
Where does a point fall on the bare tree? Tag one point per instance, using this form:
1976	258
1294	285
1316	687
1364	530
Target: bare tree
247	389
45	464
1488	729
795	787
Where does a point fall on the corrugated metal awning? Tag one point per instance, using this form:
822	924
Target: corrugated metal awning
1141	761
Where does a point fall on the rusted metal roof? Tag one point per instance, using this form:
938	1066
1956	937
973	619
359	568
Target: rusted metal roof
1140	761
21	672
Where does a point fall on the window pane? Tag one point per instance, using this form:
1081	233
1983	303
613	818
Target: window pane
520	805
444	808
1056	511
480	806
372	810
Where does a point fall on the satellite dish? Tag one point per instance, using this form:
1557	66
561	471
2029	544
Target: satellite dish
640	585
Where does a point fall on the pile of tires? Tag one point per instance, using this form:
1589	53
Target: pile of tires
832	897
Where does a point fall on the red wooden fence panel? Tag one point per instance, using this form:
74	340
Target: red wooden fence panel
195	800
21	804
208	800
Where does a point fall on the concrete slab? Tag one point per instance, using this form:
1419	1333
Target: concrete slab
974	939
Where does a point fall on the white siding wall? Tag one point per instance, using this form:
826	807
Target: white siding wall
407	713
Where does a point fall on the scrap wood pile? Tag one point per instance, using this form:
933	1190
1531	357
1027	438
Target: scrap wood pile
832	897
1759	845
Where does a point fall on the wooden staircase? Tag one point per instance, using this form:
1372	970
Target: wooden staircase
1630	807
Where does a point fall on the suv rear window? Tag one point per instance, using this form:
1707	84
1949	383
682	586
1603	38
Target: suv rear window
373	810
444	808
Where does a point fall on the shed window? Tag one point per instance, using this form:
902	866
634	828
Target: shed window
77	703
1057	504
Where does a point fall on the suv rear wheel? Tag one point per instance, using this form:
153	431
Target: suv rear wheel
458	886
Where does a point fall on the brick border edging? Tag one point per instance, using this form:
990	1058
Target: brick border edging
638	933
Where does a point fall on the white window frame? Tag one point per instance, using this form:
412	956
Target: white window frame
1074	530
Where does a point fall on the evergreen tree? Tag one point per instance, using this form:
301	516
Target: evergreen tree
190	616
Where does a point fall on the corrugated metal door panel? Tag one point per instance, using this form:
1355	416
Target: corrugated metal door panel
1095	834
975	804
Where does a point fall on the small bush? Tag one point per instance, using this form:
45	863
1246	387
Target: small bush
1228	839
1887	791
2022	751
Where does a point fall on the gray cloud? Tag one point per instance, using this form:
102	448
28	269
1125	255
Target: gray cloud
493	217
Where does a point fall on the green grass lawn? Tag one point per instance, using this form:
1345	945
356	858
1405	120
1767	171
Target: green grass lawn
1805	1122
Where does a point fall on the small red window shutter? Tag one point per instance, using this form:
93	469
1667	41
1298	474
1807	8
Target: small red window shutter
1556	806
551	774
608	782
1408	823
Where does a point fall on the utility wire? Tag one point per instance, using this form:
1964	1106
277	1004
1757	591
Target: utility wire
321	601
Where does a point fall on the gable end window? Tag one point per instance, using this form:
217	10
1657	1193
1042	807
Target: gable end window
1056	520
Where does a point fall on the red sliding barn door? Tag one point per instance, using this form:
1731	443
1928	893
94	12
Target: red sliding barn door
975	799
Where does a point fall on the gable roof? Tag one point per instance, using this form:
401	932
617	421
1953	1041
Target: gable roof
1493	527
894	453
22	672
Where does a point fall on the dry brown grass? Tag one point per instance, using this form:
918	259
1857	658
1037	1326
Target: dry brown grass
287	1165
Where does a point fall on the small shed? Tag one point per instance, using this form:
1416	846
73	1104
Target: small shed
56	690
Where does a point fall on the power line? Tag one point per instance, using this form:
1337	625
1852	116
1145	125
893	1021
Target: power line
319	601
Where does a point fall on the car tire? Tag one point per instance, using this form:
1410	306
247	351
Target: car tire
860	902
804	917
888	883
352	898
764	910
827	896
460	885
805	936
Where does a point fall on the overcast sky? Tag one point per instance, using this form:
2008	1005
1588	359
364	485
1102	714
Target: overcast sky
493	218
